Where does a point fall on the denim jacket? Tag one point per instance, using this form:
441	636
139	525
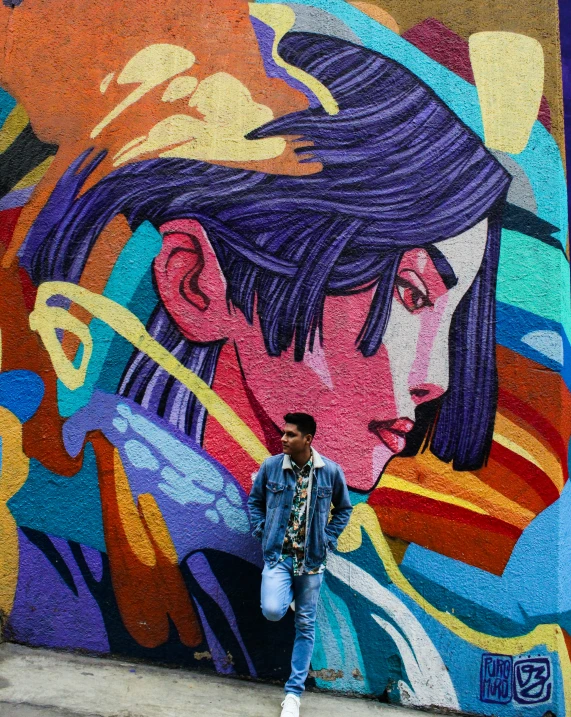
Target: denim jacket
271	501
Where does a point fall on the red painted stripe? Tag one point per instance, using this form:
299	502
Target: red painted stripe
29	290
391	498
539	422
536	479
8	219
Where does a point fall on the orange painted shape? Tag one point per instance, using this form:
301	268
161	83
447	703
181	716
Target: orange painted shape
524	414
469	543
173	592
516	439
64	99
504	480
131	523
426	471
9	560
376	13
146	578
155	524
539	387
134	584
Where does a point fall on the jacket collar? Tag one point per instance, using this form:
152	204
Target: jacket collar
317	461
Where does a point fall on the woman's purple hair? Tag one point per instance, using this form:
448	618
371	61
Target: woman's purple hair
400	170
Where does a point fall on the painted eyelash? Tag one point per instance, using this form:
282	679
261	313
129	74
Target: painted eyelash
400	281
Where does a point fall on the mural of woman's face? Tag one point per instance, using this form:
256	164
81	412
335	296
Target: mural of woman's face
364	407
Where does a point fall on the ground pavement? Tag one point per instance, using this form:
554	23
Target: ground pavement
42	683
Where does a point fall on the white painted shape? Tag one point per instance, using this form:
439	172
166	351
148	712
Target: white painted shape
317	362
430	682
402	338
548	343
105	82
381	456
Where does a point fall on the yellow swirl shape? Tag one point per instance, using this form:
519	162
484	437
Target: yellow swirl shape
281	19
148	69
228	114
14	124
364	518
509	73
47	319
13	476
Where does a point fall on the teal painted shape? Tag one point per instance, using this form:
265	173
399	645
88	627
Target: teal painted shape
541	159
68	508
133	263
131	269
140	456
7	104
534	276
142	305
357	498
337	646
542	162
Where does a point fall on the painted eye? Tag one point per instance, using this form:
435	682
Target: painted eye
411	291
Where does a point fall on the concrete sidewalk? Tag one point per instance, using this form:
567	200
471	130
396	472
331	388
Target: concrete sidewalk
41	683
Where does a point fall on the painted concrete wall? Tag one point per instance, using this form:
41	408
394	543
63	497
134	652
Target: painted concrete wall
214	213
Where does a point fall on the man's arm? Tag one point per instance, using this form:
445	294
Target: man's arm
257	503
341	510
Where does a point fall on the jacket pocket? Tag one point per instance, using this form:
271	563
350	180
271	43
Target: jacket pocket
323	502
274	493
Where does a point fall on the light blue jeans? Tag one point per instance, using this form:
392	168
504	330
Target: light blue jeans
279	587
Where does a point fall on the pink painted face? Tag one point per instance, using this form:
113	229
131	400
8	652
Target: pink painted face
364	407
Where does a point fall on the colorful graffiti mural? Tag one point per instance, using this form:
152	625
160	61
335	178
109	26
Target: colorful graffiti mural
210	217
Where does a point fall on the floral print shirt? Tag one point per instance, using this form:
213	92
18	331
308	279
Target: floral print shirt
294	541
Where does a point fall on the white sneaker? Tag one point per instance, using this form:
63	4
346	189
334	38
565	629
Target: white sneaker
292	605
290	706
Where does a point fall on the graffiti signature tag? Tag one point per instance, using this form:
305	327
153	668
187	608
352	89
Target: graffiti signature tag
532	680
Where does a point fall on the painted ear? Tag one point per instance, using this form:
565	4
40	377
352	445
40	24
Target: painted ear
190	282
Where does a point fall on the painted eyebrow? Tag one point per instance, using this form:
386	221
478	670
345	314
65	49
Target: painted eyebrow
449	278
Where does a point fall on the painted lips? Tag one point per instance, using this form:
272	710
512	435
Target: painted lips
392	433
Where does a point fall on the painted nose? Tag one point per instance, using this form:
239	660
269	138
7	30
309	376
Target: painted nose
430	375
427	378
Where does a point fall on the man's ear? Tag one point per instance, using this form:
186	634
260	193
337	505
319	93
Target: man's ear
190	282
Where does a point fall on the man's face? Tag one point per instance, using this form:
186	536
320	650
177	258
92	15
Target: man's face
294	442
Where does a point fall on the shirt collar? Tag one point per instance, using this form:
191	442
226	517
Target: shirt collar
317	461
303	467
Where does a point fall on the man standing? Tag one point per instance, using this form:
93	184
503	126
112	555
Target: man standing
289	507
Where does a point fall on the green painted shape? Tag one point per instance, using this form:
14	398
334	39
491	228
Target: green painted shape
7	104
68	508
534	276
142	305
131	269
133	263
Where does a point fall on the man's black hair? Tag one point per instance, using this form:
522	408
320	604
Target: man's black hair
303	422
